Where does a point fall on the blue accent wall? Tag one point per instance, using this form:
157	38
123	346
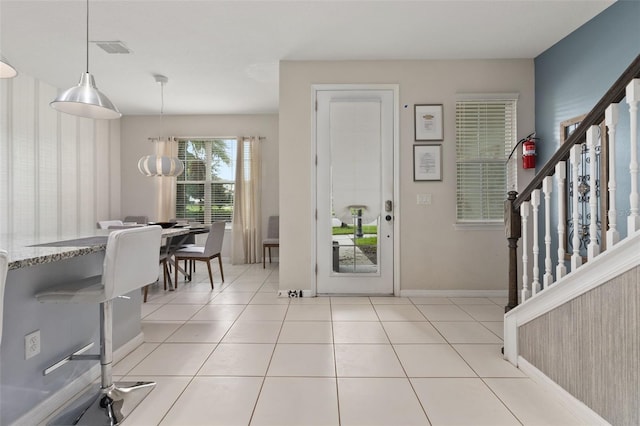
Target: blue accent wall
572	76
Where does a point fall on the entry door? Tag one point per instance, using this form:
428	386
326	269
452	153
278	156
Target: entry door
354	226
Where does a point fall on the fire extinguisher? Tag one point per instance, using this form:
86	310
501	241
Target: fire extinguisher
529	152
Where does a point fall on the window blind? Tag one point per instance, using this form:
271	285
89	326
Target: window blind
485	135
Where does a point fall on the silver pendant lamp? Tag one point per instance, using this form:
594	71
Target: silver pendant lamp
6	69
160	165
85	100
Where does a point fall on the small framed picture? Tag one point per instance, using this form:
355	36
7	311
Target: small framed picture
428	122
427	163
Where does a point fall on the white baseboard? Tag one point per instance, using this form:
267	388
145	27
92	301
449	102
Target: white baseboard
46	408
454	293
577	407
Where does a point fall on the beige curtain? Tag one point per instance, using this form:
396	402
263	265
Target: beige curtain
246	246
165	185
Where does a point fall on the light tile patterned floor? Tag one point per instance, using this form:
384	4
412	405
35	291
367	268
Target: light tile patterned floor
239	355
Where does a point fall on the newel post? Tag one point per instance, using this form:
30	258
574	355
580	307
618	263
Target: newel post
513	230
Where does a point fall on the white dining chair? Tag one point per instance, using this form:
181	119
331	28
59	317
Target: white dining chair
130	262
4	267
273	237
211	250
105	224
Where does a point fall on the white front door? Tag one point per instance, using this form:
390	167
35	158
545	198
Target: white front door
355	140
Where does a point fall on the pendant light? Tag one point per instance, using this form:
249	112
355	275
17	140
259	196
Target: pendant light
160	165
6	70
85	100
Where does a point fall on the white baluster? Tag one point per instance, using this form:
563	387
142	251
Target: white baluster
561	176
633	97
593	136
611	120
547	188
576	259
524	215
535	204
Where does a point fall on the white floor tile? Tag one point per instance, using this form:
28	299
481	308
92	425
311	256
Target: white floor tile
471	301
303	312
200	332
263	313
360	312
173	313
432	361
444	313
159	331
306	332
224	401
253	332
308	360
461	402
296	401
519	394
241	359
349	300
271	287
487	360
367	361
148	308
359	332
496	327
193	298
232	298
174	359
218	313
379	401
431	300
399	313
390	300
133	358
466	332
154	407
310	301
269	297
485	312
245	286
412	332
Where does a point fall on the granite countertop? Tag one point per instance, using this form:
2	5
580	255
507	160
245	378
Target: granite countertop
27	251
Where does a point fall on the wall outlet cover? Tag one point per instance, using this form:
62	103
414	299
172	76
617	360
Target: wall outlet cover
32	344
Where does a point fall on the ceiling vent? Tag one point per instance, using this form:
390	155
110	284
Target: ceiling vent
113	47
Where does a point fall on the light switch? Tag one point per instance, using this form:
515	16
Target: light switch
423	199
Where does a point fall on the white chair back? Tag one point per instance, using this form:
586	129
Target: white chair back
214	239
105	224
4	267
142	220
131	260
273	229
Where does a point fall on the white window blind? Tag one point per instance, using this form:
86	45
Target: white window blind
205	191
485	135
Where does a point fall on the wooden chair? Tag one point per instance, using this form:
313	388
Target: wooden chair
211	250
273	237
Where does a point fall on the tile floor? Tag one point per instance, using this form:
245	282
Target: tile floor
239	355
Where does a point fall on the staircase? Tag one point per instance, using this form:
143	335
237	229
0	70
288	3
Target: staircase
573	317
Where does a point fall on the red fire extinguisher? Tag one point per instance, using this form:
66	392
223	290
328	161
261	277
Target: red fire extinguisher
529	152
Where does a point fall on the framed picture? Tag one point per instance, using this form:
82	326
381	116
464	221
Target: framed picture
428	122
427	162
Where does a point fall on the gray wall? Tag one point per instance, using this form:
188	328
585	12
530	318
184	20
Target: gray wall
591	347
573	75
64	328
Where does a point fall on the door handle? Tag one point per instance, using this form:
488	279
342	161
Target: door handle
388	206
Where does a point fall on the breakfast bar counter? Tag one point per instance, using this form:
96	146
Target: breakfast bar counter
27	395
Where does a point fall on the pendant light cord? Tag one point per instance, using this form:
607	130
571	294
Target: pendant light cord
87	36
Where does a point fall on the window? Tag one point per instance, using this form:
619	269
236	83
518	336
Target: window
205	190
485	135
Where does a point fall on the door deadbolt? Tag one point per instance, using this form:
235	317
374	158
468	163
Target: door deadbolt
388	206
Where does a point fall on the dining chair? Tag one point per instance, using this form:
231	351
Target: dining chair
273	237
211	250
164	257
4	267
130	262
105	224
142	220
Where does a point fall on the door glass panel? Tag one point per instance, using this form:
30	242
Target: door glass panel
355	186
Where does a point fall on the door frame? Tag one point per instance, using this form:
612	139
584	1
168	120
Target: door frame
395	88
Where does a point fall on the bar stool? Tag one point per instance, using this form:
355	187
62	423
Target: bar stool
130	262
4	266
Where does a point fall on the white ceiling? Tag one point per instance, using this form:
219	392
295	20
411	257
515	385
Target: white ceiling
221	57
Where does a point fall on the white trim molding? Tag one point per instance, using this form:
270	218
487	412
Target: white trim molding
454	293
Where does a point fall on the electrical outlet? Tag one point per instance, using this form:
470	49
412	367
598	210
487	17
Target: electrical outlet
32	344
